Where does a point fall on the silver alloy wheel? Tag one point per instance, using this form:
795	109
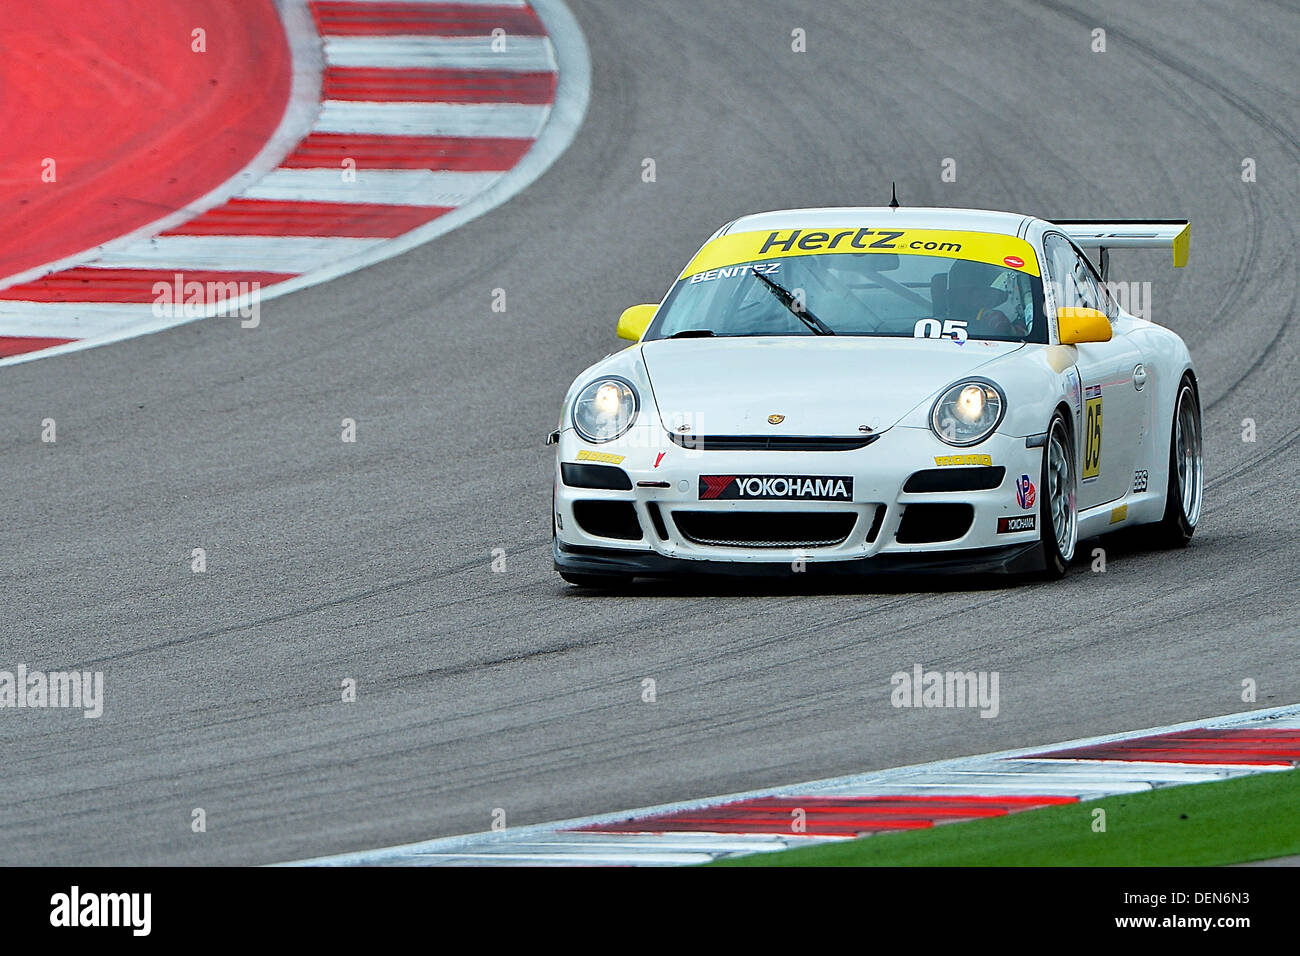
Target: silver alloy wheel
1060	491
1187	455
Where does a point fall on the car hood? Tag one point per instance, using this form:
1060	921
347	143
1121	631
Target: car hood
823	385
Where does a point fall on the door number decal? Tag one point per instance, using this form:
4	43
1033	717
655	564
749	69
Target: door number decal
1092	433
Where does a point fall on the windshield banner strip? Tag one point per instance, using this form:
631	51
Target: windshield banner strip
1007	251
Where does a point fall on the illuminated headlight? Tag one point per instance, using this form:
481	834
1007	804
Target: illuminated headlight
968	412
605	409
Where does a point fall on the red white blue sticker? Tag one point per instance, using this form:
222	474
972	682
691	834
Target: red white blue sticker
1072	389
1025	492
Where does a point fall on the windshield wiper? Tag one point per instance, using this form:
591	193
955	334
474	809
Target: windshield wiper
693	334
784	296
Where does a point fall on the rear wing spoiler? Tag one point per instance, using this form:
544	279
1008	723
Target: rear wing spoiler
1110	234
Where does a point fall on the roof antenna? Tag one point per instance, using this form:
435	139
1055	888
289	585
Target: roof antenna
893	199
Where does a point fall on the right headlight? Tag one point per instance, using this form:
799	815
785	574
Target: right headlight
968	412
605	409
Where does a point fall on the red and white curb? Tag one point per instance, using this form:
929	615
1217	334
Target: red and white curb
424	115
902	798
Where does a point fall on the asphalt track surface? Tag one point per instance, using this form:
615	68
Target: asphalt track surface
482	690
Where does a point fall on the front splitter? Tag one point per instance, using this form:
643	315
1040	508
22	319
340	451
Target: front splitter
1013	559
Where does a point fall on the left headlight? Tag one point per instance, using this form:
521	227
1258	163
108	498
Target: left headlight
605	409
968	412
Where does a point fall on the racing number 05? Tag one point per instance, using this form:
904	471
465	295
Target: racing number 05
1092	438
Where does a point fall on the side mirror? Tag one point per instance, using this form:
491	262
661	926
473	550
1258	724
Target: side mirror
1076	325
634	321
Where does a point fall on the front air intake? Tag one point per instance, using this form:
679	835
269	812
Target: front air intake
980	478
928	524
608	519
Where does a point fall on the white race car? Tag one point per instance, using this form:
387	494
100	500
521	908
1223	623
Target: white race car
878	389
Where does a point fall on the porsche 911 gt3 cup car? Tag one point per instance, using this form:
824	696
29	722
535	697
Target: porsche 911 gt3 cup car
875	389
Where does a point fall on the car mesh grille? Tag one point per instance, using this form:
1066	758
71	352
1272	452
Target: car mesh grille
772	442
765	529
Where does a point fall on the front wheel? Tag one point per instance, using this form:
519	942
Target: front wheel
1186	471
1058	513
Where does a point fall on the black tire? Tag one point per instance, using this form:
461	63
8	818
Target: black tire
597	581
1183	503
1058	453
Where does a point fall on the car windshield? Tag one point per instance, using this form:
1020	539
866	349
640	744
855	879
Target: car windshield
884	294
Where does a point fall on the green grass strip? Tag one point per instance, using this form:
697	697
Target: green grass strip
1207	824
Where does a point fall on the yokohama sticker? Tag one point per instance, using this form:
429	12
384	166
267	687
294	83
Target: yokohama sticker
768	487
1017	524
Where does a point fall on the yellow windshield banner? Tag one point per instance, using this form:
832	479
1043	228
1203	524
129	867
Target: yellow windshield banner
993	248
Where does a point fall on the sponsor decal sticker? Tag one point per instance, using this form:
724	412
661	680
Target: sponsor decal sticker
1140	481
769	487
944	461
1118	514
1025	493
761	247
1014	525
1092	433
1073	390
601	456
762	268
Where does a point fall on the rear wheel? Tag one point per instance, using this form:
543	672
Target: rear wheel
1058	514
1186	471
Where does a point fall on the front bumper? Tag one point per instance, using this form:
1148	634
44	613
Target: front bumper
666	487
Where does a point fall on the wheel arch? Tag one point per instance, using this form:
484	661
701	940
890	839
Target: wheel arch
1067	413
1071	429
1162	427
